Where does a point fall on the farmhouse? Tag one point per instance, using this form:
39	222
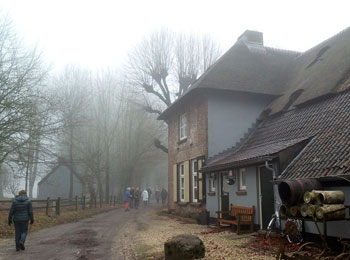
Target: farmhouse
257	114
57	183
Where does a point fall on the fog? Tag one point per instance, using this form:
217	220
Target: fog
83	86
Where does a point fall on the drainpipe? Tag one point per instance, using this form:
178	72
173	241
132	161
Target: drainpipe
274	178
270	169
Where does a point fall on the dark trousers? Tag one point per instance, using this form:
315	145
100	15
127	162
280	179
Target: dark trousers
137	202
21	231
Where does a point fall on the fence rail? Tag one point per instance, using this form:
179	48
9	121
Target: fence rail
56	205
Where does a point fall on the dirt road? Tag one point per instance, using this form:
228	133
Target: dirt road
91	238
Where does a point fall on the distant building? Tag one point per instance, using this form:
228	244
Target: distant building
57	182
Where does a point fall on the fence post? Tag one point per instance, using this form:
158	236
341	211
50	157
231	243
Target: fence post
47	206
114	199
76	203
58	205
84	202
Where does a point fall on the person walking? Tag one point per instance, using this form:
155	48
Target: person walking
132	190
157	196
145	197
149	194
127	197
164	195
21	213
137	198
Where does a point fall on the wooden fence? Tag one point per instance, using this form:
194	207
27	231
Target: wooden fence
59	204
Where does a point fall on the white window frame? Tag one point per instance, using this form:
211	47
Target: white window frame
194	181
212	182
183	127
241	173
182	181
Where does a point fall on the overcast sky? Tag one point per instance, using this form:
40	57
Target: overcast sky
99	33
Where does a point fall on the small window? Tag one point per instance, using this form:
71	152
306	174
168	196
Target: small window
182	182
195	181
242	179
212	182
183	126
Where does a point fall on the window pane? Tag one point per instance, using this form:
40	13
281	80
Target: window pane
196	194
243	178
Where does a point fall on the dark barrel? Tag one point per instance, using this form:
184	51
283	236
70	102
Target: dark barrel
292	191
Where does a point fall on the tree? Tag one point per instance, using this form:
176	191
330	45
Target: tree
165	65
22	72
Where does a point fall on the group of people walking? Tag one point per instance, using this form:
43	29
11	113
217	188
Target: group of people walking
132	197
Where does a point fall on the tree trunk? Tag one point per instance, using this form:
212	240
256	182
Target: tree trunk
331	197
311	210
71	189
294	211
303	210
34	169
331	211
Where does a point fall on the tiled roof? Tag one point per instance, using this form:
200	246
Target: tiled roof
327	122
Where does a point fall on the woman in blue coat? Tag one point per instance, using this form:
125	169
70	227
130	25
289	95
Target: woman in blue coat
127	198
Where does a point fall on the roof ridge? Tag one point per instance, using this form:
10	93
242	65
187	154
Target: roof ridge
335	36
284	51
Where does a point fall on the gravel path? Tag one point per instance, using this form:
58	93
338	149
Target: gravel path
144	239
118	235
90	238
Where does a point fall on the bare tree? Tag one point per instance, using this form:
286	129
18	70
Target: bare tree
165	65
22	73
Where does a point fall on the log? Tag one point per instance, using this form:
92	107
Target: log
303	210
311	210
284	211
310	197
331	197
294	211
331	212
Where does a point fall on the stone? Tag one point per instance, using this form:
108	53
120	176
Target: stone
184	247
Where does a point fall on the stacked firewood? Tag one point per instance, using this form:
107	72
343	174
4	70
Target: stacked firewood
323	205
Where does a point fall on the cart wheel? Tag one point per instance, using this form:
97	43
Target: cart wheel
343	256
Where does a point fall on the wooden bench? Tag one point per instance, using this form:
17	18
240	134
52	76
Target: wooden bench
241	215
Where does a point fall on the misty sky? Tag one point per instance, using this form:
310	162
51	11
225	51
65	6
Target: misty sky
100	33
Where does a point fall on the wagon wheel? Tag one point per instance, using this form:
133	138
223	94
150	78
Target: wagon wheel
307	244
293	231
343	256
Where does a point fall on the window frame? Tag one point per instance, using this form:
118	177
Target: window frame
241	186
195	195
182	183
183	127
212	179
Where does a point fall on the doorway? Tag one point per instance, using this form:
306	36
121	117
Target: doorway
266	196
224	193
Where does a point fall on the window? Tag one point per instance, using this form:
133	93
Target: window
182	182
242	179
212	182
195	181
183	126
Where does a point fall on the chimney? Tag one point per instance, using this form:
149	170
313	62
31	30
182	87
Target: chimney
252	37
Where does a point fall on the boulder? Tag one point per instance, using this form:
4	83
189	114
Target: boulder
184	247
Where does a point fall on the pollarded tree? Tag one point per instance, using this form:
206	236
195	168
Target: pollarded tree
165	65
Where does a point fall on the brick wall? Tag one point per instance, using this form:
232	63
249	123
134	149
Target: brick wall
194	146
